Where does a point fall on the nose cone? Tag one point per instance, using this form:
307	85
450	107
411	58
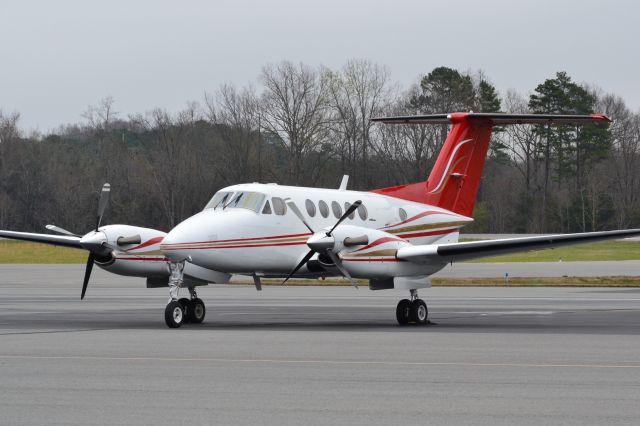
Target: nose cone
187	236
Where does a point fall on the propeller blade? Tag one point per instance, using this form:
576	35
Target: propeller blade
61	231
336	260
87	274
352	208
102	204
298	213
304	260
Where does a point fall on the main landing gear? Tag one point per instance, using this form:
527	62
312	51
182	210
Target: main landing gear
183	310
412	311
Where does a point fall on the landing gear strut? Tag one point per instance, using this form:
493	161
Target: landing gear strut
412	310
180	311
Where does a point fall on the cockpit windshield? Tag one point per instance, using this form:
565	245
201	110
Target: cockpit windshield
241	200
247	200
219	201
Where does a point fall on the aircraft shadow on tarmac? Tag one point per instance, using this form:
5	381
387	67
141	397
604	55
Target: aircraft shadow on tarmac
621	321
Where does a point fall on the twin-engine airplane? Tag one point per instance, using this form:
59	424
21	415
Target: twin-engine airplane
393	237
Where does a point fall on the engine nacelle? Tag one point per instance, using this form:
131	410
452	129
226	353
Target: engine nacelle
376	258
140	255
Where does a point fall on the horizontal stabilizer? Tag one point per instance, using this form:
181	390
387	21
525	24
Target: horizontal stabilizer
456	252
494	119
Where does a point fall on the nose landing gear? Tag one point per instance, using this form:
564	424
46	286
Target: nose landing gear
412	310
183	310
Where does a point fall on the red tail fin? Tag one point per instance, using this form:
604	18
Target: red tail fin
455	177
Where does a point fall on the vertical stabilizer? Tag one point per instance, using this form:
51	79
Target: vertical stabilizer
455	178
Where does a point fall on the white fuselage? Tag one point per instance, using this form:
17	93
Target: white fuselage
246	230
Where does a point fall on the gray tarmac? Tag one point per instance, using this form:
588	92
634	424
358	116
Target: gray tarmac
313	355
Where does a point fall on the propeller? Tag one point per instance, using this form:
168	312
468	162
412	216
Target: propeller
92	243
95	241
61	231
102	204
324	242
87	274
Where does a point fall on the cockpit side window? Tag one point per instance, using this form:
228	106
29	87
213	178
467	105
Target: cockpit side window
267	208
279	207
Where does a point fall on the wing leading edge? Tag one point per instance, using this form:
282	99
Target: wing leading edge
456	252
56	240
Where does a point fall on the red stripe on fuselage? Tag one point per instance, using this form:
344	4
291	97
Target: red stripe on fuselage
416	217
237	246
240	239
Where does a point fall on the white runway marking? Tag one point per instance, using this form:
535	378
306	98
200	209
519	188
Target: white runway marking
319	361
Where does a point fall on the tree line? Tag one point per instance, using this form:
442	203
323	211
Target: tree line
304	125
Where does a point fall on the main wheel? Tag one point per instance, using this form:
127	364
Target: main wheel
174	314
419	312
186	308
402	311
196	311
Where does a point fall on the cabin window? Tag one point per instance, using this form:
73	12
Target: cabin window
267	208
403	214
311	208
362	212
337	210
353	213
219	200
324	208
279	207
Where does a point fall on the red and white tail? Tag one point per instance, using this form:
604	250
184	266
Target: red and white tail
455	177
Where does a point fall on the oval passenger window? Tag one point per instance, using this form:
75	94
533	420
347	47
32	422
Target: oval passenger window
362	212
353	213
324	208
337	210
311	208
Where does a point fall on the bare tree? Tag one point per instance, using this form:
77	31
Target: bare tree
102	115
358	93
295	109
623	178
9	126
237	115
173	162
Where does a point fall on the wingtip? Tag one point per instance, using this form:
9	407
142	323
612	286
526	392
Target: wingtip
601	117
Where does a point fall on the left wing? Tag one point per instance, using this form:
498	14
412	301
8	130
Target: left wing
455	252
56	240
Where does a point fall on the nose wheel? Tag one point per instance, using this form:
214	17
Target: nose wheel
412	310
182	310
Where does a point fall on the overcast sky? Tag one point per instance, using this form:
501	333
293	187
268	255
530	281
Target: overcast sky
58	57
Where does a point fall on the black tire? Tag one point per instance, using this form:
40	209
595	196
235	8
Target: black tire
174	314
419	312
186	308
402	311
196	311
